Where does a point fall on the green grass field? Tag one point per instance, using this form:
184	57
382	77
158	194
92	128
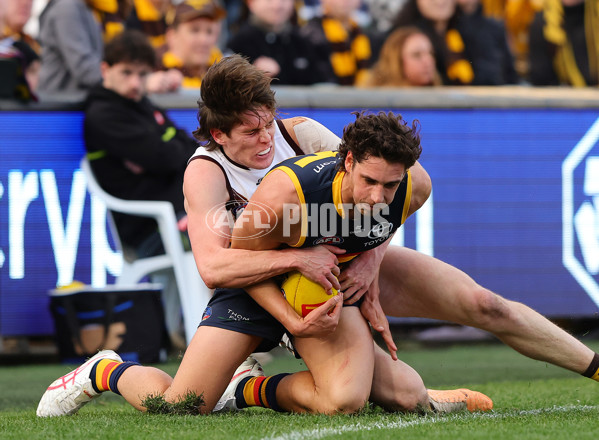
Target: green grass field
532	400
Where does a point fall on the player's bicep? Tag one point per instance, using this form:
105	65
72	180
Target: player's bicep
204	189
262	224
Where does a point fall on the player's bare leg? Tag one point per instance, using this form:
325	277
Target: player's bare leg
416	285
396	386
206	368
341	370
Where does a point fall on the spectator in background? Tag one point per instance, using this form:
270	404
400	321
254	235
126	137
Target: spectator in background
112	15
470	49
271	40
486	41
342	49
148	16
438	19
71	40
382	13
564	44
407	59
18	13
13	84
192	35
517	16
136	152
21	48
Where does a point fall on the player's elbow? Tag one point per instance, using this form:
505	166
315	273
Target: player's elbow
209	273
210	281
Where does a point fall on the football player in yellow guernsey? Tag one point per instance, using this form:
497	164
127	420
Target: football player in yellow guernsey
222	175
237	119
355	199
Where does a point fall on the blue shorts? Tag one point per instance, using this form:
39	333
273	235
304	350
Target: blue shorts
235	310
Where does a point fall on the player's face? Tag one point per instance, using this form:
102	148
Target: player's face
373	181
252	142
126	79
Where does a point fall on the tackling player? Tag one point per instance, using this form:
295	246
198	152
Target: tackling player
242	149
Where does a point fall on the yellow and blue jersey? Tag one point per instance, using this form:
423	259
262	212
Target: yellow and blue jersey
317	180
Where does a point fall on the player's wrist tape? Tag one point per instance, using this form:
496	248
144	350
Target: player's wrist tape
593	370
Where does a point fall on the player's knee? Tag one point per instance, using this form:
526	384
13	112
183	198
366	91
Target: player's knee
416	401
346	401
489	308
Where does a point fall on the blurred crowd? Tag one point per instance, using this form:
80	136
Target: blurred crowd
361	43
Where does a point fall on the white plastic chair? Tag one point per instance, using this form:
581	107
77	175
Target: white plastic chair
193	292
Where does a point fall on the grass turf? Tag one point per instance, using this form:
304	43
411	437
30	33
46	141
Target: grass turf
532	400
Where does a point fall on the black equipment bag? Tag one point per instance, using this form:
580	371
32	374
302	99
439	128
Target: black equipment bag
128	320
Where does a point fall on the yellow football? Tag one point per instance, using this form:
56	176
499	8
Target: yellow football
303	294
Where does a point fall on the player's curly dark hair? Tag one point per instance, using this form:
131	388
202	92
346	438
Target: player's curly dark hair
230	89
384	135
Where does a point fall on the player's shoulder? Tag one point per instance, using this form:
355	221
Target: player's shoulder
310	135
290	123
276	189
205	170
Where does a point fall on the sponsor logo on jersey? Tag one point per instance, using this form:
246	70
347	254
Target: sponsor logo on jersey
328	240
381	230
235	316
318	168
207	313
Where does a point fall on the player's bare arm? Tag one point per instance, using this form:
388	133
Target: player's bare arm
277	191
421	187
311	135
219	265
372	311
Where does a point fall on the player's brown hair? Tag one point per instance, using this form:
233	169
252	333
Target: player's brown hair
383	135
230	89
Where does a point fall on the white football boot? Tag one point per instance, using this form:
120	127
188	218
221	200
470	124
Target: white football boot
70	392
249	367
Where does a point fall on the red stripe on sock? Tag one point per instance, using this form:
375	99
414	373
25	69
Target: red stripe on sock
256	390
106	374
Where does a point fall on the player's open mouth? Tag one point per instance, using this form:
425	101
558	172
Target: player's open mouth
265	152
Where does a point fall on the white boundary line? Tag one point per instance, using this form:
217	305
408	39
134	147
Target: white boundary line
401	424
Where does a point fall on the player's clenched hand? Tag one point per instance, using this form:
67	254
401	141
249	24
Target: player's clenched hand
321	321
320	264
373	312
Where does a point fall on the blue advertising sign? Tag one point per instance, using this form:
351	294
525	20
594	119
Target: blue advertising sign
515	205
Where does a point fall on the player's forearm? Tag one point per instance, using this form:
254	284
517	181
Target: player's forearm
234	268
268	295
